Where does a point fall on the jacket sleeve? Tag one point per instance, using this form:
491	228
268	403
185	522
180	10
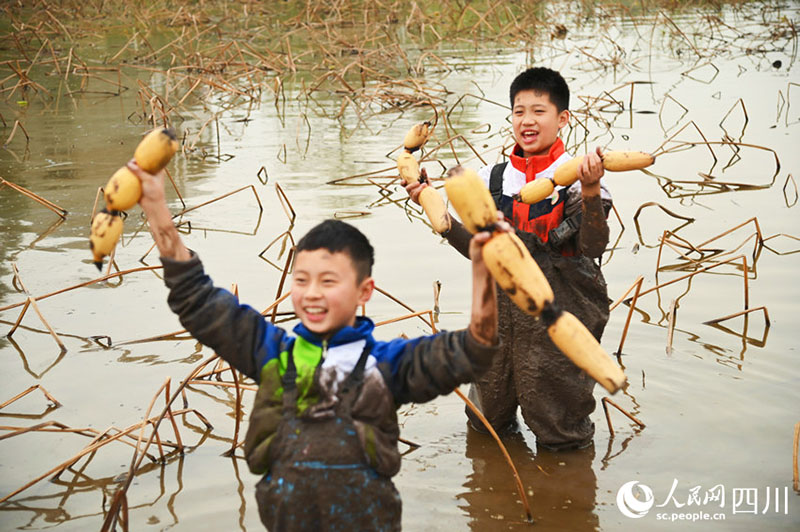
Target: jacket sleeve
593	235
458	237
435	365
593	232
237	333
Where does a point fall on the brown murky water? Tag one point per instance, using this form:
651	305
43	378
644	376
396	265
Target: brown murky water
719	408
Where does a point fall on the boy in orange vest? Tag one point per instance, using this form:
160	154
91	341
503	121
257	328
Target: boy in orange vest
566	235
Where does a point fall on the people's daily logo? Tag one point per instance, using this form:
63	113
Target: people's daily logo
694	503
635	499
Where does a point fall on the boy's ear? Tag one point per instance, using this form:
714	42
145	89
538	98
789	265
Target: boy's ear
365	289
563	118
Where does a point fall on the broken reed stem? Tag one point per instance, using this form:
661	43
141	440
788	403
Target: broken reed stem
172	422
237	413
285	203
97	196
17	124
741	313
19	318
605	401
87	432
674	247
671	316
44	427
732	229
637	286
520	487
175	187
190	209
702	270
795	449
412	315
183	331
29	390
87	283
221	384
408	442
390	296
25	192
286	268
86	450
608	418
32	301
119	495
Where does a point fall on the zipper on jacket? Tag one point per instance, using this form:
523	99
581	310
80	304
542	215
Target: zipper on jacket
324	350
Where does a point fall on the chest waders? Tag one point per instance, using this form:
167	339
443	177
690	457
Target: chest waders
555	396
319	478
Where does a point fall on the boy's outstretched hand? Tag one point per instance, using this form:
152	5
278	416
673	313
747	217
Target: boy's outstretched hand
414	189
159	219
590	171
483	321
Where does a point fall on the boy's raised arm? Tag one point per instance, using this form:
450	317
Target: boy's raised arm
483	319
159	219
593	235
214	316
457	236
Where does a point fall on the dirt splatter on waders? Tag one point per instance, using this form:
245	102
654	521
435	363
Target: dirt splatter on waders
319	472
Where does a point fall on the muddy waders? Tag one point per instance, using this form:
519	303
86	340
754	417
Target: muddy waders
319	478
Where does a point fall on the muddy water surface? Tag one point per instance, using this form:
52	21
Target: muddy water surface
719	407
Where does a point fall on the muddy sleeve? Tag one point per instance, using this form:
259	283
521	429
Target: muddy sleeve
458	237
237	333
435	365
593	235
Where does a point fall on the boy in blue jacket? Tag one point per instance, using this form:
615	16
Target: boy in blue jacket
323	429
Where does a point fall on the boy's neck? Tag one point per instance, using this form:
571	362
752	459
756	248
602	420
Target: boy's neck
326	337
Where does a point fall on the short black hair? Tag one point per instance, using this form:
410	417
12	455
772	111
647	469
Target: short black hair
542	80
336	236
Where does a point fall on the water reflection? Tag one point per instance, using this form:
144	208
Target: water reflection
74	483
561	487
26	364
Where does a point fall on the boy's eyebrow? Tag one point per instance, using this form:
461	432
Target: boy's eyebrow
324	272
533	105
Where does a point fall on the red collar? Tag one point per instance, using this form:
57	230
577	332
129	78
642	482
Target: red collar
531	166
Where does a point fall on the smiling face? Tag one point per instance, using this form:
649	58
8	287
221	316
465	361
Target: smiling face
536	122
326	291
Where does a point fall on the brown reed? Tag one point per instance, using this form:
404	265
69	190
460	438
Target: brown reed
520	487
286	269
671	316
795	450
39	387
762	308
223	196
120	495
31	301
637	288
606	401
81	285
25	192
285	203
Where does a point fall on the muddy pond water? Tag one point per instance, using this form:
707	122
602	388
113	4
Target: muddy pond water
719	406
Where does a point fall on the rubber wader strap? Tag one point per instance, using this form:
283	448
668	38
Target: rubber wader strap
289	382
496	183
357	375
